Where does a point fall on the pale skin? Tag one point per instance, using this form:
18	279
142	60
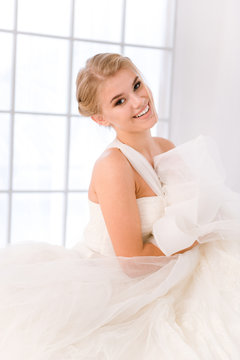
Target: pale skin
115	184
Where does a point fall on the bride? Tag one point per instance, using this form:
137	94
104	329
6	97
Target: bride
156	275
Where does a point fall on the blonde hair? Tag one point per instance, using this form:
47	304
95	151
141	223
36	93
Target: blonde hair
97	69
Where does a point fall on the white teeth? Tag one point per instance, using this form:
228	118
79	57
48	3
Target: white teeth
143	112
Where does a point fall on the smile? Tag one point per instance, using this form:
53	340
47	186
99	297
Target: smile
145	110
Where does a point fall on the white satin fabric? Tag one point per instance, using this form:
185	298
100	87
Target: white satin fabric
86	303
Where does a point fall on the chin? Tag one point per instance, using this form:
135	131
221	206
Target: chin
148	125
153	122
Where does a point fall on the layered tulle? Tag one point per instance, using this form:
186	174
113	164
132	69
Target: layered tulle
198	203
55	304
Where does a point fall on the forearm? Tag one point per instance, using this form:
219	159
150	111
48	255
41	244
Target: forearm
150	249
140	267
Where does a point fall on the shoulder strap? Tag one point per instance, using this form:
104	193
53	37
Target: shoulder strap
141	164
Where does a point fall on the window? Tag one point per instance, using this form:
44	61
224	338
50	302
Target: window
43	174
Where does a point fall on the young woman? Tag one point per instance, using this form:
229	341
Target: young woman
156	275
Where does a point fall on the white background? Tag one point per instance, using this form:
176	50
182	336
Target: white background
206	87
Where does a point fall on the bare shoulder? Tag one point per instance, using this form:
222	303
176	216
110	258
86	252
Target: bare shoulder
112	172
164	144
111	159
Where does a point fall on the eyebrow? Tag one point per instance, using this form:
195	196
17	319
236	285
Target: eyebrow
115	97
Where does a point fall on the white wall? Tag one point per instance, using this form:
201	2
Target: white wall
206	82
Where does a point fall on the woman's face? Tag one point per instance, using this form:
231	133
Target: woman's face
126	103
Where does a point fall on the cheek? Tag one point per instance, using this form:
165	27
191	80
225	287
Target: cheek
148	93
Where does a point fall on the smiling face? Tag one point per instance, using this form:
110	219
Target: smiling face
126	103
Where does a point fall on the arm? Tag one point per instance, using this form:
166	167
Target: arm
150	249
114	183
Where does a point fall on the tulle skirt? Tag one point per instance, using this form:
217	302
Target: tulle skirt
56	304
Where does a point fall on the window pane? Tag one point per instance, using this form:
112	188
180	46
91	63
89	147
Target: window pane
4	150
47	17
163	129
3	219
78	216
39	152
5	70
155	66
42	74
82	52
154	130
98	20
88	140
7	14
37	217
153	22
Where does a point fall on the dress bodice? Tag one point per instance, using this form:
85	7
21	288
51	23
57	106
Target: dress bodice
96	237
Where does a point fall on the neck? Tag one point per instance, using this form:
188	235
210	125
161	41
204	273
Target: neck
143	142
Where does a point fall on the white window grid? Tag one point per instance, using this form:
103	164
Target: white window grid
69	113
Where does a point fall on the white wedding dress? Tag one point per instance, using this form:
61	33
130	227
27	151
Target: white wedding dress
85	303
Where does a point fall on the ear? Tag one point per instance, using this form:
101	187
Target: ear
99	119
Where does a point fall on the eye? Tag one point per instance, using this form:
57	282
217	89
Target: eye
120	101
137	85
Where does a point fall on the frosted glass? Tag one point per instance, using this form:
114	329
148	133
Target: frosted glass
42	74
98	20
150	23
4	150
82	52
78	216
155	66
7	14
46	17
5	70
88	140
37	217
39	152
3	219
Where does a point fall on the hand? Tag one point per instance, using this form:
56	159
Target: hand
189	248
194	244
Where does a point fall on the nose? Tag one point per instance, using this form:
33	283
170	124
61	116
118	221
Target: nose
136	100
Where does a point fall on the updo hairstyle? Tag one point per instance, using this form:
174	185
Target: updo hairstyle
97	69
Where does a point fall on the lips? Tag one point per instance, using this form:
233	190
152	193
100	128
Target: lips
142	112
